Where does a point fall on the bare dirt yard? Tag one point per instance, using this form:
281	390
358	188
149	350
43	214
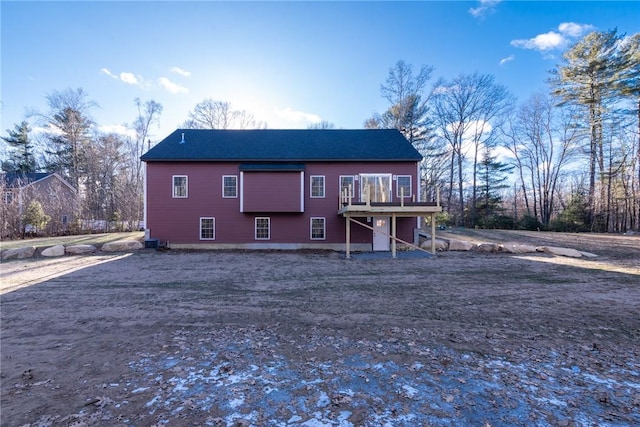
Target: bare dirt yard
237	338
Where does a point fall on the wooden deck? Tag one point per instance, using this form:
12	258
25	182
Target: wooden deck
394	210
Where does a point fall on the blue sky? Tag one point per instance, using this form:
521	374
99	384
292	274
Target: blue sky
287	63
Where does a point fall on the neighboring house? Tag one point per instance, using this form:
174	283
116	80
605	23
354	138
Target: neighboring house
283	189
58	198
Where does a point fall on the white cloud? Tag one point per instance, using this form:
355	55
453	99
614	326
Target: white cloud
108	73
546	41
125	77
507	59
567	32
297	116
119	129
572	29
486	7
178	70
171	87
130	78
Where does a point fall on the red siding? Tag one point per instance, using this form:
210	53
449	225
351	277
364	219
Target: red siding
178	220
271	192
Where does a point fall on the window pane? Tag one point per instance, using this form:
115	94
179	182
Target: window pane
404	186
207	228
262	228
317	228
179	186
317	186
346	186
230	188
378	187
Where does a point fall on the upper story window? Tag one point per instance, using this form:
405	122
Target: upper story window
375	187
230	186
180	186
403	186
347	185
317	186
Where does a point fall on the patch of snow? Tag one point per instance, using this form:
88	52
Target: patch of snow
323	400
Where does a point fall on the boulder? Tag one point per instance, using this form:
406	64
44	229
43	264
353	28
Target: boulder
441	245
460	245
18	253
588	254
57	250
515	248
122	246
80	249
486	247
554	250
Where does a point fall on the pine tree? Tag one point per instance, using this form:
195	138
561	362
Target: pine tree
492	178
22	158
594	74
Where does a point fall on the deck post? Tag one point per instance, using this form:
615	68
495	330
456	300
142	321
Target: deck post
348	235
393	235
433	233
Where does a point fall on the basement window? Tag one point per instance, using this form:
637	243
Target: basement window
207	228
263	228
318	228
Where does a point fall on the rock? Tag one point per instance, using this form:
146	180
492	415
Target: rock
18	253
122	246
80	249
441	245
588	254
515	248
554	250
486	247
460	245
57	250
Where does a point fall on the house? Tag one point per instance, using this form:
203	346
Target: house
58	198
284	189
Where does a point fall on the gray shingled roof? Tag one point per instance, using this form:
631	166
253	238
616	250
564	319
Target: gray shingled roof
271	145
20	179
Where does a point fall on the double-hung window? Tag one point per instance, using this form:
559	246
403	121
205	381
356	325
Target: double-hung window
318	228
180	186
317	186
207	228
347	185
263	228
230	186
7	197
403	186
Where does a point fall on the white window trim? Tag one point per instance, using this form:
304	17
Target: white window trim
186	186
324	228
324	181
229	176
406	196
255	228
214	228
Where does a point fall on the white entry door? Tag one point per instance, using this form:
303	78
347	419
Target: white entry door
381	234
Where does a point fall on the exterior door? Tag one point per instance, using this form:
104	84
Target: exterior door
381	233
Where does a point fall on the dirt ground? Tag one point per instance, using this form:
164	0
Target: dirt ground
239	338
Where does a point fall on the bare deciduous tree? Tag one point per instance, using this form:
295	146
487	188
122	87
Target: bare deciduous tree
468	111
211	114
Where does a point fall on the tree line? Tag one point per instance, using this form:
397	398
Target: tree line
565	159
